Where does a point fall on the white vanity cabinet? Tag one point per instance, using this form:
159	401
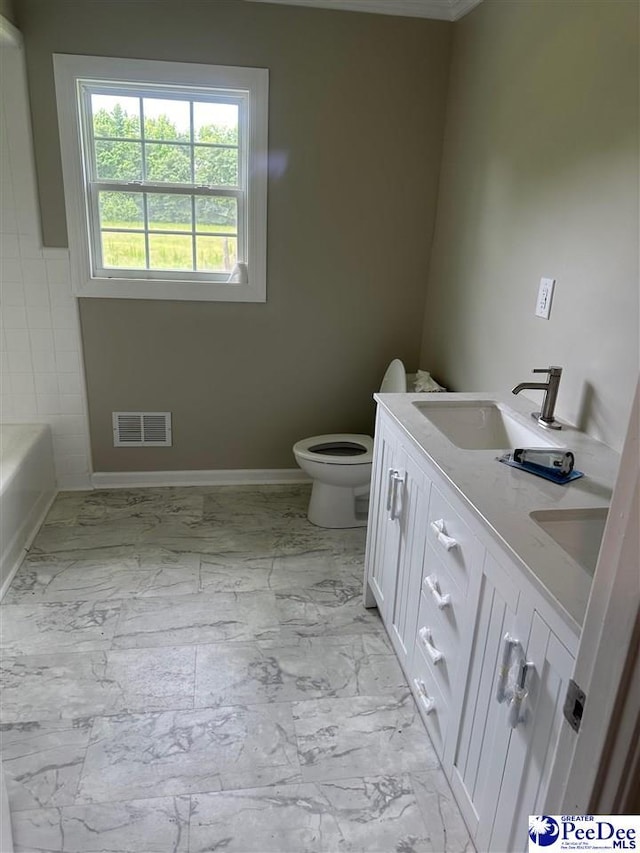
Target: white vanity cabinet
395	538
448	595
501	758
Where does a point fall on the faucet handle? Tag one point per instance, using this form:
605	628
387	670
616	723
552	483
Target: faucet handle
552	371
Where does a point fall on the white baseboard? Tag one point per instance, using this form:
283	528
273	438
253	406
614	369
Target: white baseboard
239	477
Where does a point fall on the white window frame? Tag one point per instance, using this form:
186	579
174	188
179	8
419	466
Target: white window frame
249	87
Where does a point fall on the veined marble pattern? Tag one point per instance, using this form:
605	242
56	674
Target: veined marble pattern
191	619
308	668
340	738
95	577
192	670
363	814
331	607
67	685
179	752
47	757
157	825
79	625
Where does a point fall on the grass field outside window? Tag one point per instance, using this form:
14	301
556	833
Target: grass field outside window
126	249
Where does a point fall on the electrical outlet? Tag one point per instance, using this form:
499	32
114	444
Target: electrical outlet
545	295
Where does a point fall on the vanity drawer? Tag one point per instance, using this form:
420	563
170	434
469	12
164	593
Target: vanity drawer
452	540
438	641
433	708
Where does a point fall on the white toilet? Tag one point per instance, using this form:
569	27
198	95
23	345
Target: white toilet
340	466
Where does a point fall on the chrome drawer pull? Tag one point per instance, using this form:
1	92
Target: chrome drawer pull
447	542
425	637
427	702
431	582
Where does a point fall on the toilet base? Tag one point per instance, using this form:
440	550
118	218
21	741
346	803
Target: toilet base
337	506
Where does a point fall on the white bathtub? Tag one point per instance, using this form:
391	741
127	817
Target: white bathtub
27	487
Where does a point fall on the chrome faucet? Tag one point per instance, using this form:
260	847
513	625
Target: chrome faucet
545	418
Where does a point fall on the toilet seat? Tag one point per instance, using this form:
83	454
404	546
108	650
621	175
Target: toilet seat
336	449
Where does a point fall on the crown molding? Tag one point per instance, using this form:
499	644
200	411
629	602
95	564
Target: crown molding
459	8
442	10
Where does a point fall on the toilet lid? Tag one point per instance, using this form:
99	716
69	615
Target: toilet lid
395	379
336	449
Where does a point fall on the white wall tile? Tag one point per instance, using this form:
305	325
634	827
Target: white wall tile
65	445
36	292
48	404
17	340
19	361
10	269
30	247
24	405
76	464
6	407
58	271
41	339
60	292
64	316
40	368
46	383
34	270
22	383
7	213
39	318
44	360
68	425
9	246
65	340
69	383
14	318
68	361
71	404
12	293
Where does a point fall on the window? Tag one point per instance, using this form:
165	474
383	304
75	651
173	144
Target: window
165	175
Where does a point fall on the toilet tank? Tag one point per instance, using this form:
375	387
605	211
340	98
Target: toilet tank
395	379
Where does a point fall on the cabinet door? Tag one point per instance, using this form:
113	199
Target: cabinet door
483	736
410	519
383	528
533	741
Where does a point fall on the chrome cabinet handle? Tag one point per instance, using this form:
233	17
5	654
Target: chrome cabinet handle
508	645
427	702
396	479
431	582
390	474
519	694
434	653
438	528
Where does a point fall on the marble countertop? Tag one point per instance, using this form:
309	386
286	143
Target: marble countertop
502	497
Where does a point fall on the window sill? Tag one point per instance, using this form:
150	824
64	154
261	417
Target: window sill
177	290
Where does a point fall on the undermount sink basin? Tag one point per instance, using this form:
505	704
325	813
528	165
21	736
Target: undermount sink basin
577	531
483	425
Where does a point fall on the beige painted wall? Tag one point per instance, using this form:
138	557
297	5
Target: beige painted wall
7	10
356	117
540	178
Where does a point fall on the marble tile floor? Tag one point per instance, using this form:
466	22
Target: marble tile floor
192	669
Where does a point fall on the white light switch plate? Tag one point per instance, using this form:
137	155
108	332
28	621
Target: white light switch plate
545	295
